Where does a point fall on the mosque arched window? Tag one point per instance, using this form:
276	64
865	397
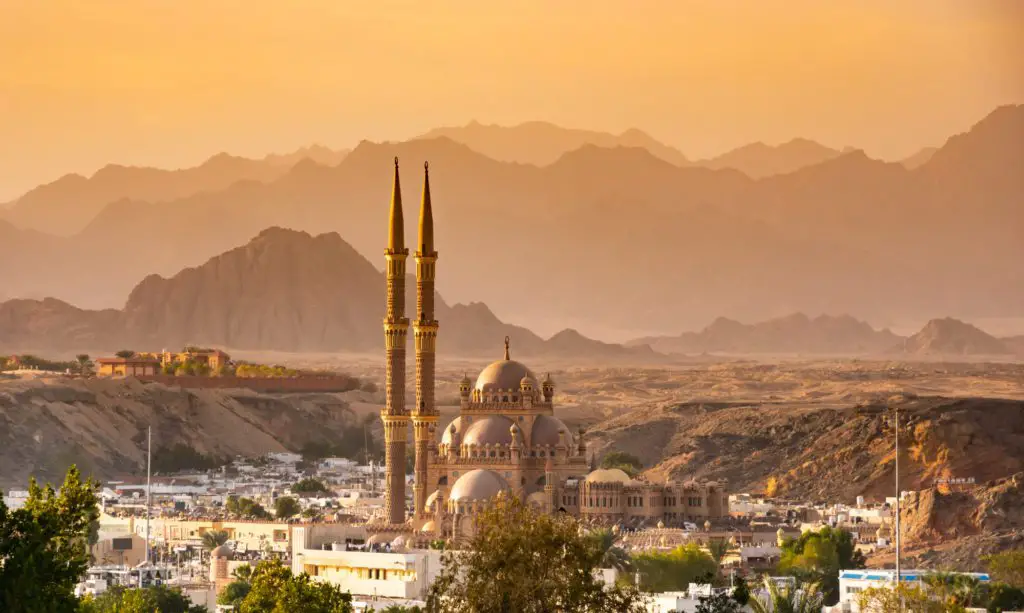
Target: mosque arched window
504	398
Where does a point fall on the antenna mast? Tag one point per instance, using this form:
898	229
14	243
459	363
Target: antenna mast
149	486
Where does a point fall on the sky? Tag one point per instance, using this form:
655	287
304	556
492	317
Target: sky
169	83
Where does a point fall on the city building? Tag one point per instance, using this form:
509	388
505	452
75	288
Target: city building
853	582
375	569
506	439
135	366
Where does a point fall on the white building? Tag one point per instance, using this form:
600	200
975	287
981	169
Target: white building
853	582
398	574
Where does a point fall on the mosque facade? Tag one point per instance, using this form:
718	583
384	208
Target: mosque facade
506	439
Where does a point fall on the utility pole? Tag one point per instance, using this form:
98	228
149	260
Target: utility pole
898	577
149	486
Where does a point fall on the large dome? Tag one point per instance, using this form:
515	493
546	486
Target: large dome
546	431
446	438
478	484
490	430
608	475
504	375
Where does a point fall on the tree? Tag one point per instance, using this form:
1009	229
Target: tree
274	589
717	603
612	556
213	539
125	353
628	463
44	545
309	486
246	508
719	548
816	557
1007	567
285	507
674	570
784	599
234	593
140	600
741	593
85	364
905	597
520	561
1002	597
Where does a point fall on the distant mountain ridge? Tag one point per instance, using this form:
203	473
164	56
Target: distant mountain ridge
608	237
796	333
949	336
284	290
66	205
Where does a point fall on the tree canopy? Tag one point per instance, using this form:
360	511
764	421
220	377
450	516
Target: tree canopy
674	570
521	561
274	589
1007	567
626	462
817	557
285	507
157	598
246	508
309	485
44	546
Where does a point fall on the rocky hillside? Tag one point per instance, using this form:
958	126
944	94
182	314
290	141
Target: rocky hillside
285	291
823	453
953	337
101	424
930	516
796	333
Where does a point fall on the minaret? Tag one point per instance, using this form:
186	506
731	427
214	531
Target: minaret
424	414
396	328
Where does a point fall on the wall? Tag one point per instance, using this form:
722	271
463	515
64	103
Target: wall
270	385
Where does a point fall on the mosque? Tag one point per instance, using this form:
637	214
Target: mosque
506	439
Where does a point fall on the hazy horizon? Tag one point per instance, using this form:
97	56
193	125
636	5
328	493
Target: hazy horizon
168	85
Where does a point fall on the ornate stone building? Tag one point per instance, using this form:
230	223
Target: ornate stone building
506	439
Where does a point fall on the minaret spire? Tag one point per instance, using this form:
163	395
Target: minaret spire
426	241
507	356
396	224
396	330
424	414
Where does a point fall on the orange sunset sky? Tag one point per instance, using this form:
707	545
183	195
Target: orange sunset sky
171	82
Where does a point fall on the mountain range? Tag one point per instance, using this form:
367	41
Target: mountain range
613	241
283	290
286	290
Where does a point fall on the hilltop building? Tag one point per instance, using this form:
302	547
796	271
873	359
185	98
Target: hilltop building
135	366
506	439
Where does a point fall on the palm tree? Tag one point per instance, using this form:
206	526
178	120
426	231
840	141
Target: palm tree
807	599
125	353
719	548
213	539
612	556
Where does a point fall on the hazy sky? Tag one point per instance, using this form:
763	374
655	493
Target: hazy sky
170	82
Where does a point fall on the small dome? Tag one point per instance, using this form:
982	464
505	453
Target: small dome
465	380
446	438
431	499
608	475
398	543
504	375
430	526
537	499
222	551
490	430
661	525
548	381
527	382
547	431
478	484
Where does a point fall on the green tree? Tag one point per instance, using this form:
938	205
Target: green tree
285	507
719	548
245	508
520	561
905	597
674	570
213	539
1007	567
155	599
274	589
741	593
234	593
44	546
717	603
85	364
626	462
817	557
309	486
612	556
125	353
806	598
1002	597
